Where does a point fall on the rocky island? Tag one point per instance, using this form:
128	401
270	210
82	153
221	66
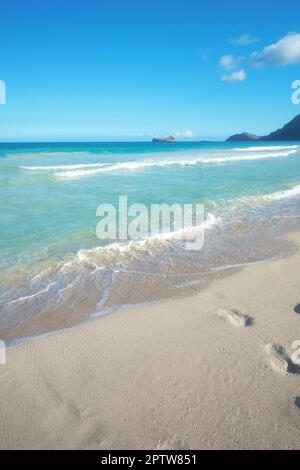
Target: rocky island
165	139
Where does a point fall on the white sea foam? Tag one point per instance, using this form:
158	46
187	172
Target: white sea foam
265	147
288	193
31	296
235	204
113	252
49	154
62	167
136	165
246	157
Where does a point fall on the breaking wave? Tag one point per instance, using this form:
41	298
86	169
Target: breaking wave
93	169
62	167
286	194
265	147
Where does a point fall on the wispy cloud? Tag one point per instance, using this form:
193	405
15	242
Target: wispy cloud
230	62
188	134
244	40
238	76
284	52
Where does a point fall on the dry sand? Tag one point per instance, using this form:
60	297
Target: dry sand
209	371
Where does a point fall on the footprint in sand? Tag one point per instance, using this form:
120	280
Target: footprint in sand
279	359
297	309
170	444
235	317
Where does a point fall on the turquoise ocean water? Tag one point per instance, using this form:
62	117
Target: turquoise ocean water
56	273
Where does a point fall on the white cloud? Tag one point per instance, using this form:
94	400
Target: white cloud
244	40
284	52
238	76
230	62
187	134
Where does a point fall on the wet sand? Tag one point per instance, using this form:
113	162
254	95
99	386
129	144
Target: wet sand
215	370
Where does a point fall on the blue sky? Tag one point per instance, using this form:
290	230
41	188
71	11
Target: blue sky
119	70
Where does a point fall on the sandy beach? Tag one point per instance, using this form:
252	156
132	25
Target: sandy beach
213	371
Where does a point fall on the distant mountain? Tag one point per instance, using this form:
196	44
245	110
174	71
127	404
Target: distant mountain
242	137
289	132
165	139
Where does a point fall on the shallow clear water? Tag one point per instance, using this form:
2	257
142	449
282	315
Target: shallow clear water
54	270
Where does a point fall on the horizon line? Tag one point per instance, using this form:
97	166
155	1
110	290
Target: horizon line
107	142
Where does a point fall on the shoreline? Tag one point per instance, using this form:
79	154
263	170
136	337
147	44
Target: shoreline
222	272
200	372
79	307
